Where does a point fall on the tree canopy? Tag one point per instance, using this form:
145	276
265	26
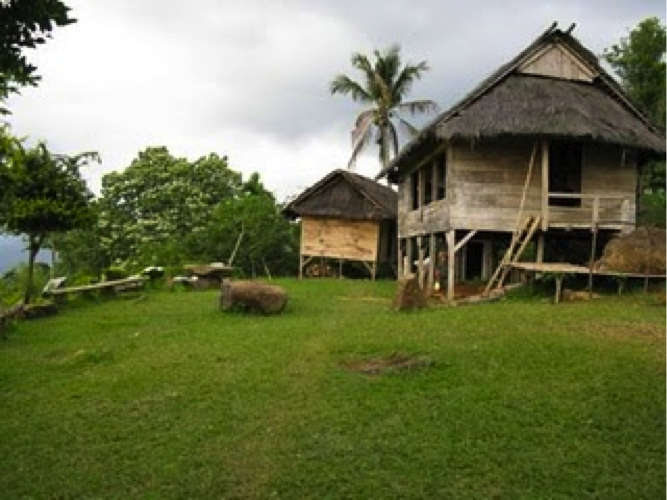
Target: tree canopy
25	24
164	210
385	84
42	194
639	61
160	199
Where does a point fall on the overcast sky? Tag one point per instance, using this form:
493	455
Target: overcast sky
250	79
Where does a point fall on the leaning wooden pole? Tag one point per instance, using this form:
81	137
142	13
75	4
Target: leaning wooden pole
526	185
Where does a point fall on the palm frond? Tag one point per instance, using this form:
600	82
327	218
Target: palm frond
361	136
344	85
388	63
361	62
409	74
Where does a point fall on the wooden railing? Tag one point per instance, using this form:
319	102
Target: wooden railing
587	210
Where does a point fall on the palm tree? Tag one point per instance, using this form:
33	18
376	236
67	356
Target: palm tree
385	85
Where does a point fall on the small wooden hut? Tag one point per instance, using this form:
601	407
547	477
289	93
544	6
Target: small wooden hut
547	148
346	217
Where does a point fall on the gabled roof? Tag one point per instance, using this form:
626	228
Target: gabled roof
347	195
518	100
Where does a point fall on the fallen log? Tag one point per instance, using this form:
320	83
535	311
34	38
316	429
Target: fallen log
252	296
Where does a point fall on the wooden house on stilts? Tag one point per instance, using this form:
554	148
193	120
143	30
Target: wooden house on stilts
345	217
547	150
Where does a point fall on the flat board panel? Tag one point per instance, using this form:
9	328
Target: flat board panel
557	62
340	238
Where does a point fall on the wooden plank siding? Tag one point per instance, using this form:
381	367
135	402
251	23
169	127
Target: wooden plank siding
485	184
340	238
557	62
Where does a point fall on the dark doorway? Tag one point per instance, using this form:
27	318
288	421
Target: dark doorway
565	172
474	258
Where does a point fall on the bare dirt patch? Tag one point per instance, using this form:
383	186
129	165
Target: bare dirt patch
394	362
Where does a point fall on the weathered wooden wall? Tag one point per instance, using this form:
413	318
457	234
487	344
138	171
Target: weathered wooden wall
485	184
340	238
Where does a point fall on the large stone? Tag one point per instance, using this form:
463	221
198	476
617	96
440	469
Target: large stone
641	251
409	295
252	296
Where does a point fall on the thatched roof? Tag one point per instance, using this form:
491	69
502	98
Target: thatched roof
534	105
345	195
510	103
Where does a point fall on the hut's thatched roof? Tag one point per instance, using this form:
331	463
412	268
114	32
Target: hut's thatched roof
510	103
345	195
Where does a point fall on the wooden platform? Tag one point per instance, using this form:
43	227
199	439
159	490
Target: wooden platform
114	286
561	269
565	268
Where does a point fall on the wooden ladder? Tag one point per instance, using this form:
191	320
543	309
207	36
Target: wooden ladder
520	239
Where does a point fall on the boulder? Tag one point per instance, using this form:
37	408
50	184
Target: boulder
640	251
409	295
252	296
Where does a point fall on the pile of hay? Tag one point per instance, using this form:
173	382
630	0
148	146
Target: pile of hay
640	252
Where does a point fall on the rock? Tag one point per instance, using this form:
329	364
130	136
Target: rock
409	295
252	296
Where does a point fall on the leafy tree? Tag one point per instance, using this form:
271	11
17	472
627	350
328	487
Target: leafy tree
251	229
384	86
639	61
147	210
25	24
79	251
42	194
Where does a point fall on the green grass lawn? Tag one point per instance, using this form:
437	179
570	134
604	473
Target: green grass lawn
167	397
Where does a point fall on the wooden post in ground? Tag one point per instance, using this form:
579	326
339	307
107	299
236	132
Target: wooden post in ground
420	253
539	257
451	253
432	260
559	288
591	262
